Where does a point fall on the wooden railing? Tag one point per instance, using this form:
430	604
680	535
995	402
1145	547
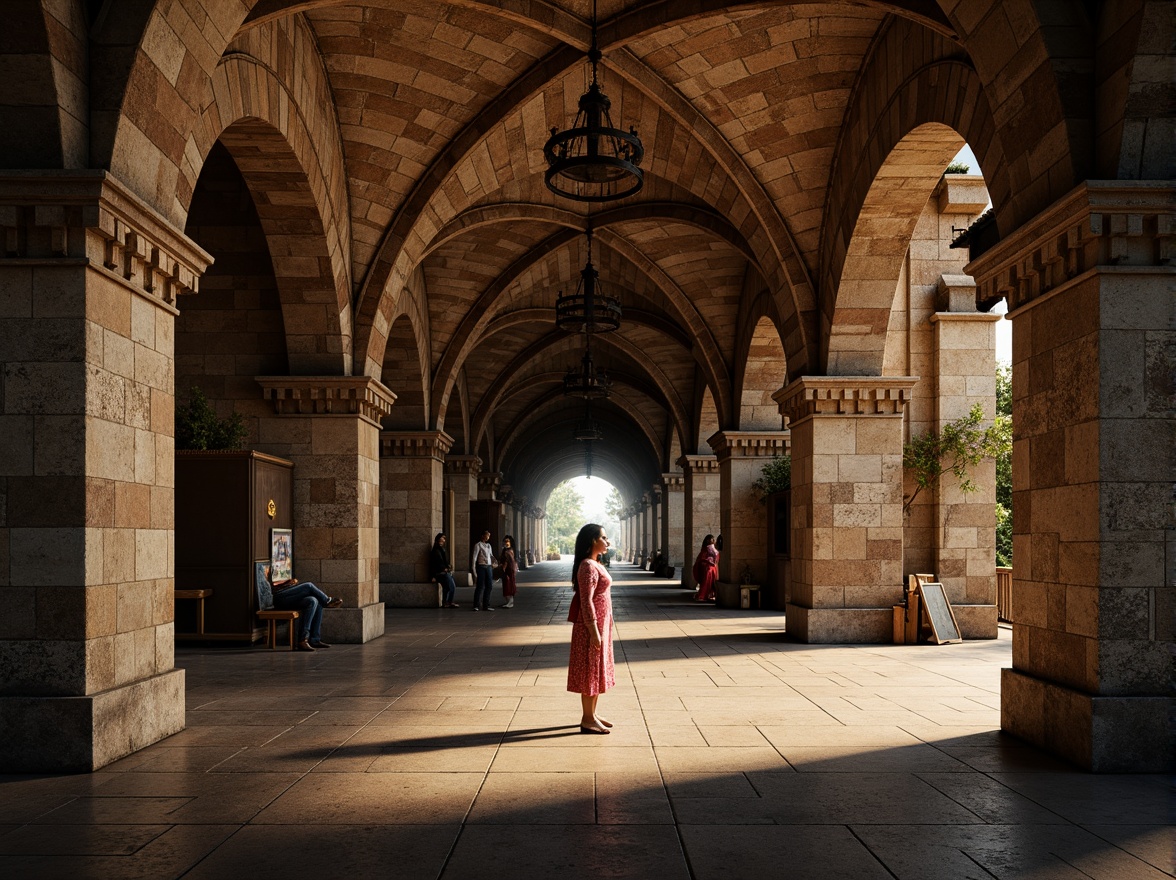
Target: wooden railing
1004	594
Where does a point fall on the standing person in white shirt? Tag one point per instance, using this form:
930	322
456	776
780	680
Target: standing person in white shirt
482	566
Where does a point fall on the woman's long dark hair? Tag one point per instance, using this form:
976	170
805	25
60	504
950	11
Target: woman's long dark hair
584	542
437	540
709	539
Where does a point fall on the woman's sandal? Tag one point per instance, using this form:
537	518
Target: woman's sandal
595	730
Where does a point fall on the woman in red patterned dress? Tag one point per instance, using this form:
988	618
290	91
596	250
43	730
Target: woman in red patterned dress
706	569
590	666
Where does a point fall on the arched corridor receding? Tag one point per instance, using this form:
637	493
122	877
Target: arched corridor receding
340	222
450	748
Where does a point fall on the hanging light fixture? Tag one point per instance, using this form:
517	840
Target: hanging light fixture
593	161
586	310
587	432
587	429
587	382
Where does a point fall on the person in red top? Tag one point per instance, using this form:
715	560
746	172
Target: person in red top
510	568
706	569
590	665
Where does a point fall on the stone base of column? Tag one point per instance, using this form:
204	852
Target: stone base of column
976	621
411	595
82	734
354	626
1102	734
851	626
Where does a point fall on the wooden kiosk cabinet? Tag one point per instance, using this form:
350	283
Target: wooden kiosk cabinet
226	504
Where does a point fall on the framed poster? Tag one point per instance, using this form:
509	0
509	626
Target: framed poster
281	555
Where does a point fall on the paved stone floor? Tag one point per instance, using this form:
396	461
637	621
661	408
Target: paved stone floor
449	748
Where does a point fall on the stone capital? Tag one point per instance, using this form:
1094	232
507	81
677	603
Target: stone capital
811	396
463	464
89	217
698	464
359	396
415	444
673	482
655	492
748	444
1100	223
490	480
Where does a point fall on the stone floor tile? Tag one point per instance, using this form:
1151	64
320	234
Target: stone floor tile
1088	799
1006	852
732	735
856	798
167	856
685	759
632	799
207	797
380	798
535	799
597	755
798	853
571	852
841	758
707	784
1154	844
279	852
82	840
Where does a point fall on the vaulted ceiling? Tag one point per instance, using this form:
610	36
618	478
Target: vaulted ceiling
457	249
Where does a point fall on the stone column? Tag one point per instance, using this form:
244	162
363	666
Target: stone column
646	540
743	520
700	515
655	520
1091	283
847	571
965	525
627	525
329	426
412	467
89	276
461	476
673	539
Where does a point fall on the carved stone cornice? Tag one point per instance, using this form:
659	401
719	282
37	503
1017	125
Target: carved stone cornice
819	396
88	216
673	482
1098	223
698	464
415	444
749	444
490	480
359	396
463	464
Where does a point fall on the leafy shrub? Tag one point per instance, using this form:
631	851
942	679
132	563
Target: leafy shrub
776	476
199	427
958	168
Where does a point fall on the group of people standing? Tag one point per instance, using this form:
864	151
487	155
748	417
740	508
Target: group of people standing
483	562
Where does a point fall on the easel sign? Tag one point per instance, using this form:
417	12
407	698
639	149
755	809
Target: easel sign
936	607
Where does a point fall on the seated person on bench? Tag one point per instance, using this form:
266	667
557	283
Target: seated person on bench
309	600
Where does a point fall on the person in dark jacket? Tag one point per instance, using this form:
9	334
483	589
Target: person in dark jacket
441	571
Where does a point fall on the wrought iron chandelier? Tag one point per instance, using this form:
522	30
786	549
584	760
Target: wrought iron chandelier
593	161
587	382
586	310
587	431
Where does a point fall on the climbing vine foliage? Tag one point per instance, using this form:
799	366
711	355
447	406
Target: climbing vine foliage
956	449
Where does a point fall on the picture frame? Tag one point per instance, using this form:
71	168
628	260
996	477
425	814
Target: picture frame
281	555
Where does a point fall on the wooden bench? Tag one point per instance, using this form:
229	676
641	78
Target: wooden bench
199	596
272	617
